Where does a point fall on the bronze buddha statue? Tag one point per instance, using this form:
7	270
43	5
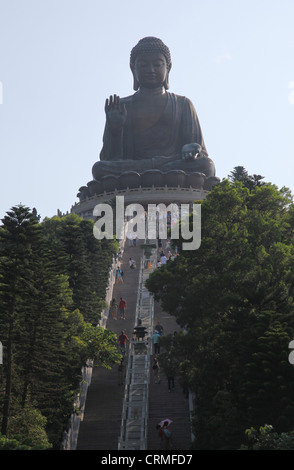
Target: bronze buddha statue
152	129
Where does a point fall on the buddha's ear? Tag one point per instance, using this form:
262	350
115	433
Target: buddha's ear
166	81
135	83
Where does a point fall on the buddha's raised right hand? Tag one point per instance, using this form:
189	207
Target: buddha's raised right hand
116	113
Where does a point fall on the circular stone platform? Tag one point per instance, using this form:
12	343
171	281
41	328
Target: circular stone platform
144	196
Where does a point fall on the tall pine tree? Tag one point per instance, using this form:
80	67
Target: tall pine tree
19	238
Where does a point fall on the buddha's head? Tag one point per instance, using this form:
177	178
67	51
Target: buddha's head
150	63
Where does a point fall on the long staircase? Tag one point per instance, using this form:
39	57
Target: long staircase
121	417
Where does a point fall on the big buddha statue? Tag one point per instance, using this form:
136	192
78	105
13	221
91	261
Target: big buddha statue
152	129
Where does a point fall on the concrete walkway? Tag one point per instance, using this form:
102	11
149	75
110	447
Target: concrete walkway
100	428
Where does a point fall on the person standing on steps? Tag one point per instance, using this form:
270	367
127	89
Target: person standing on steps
159	328
167	436
161	436
113	308
170	373
156	370
132	263
156	339
120	275
163	260
120	254
123	339
122	308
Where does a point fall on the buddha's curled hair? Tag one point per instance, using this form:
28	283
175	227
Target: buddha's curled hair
150	44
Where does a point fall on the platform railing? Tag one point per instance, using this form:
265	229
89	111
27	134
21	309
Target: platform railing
134	422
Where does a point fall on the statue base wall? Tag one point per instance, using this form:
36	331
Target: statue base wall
144	196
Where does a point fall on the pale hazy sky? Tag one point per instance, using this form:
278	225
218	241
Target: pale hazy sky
60	59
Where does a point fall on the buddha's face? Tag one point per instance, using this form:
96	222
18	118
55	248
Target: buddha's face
150	70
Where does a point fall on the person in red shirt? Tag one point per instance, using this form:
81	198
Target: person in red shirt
122	341
165	436
122	308
161	435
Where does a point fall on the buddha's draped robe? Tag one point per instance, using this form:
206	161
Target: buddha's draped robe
154	147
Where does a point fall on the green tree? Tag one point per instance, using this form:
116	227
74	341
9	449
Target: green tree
29	426
249	181
47	272
265	438
84	259
236	304
32	329
18	238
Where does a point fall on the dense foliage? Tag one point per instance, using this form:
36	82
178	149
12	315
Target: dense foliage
265	438
234	298
53	277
